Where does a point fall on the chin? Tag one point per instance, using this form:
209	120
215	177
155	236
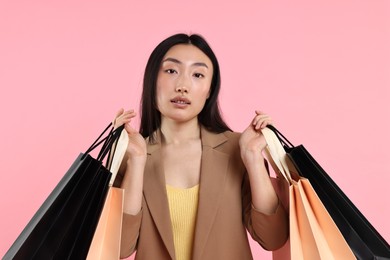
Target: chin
181	118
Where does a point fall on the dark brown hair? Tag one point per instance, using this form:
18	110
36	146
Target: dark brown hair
210	116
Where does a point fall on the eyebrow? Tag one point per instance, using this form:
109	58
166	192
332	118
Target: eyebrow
179	62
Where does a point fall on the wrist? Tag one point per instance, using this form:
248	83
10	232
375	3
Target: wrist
251	156
136	161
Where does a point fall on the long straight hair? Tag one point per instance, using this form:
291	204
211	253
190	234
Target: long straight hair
210	116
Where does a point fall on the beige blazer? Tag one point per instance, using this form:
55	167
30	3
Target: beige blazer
224	211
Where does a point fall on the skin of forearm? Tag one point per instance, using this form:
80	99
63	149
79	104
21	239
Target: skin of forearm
264	198
133	186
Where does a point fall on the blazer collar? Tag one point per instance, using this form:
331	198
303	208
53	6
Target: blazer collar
214	165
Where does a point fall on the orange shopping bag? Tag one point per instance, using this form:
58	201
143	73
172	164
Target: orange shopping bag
313	233
107	238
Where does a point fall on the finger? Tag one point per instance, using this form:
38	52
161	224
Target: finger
120	112
263	122
127	115
261	117
258	124
259	112
130	129
124	119
130	111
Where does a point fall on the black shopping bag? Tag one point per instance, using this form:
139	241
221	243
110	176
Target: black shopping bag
64	225
364	240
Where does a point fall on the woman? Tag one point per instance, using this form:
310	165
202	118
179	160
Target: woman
192	186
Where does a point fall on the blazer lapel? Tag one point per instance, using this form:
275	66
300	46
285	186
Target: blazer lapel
214	166
156	195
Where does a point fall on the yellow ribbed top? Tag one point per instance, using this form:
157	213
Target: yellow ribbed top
183	206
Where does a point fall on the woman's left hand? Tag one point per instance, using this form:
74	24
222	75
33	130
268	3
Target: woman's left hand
252	141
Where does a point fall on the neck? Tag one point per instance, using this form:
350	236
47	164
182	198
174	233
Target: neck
176	133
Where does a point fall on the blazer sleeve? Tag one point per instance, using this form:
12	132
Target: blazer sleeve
270	231
130	232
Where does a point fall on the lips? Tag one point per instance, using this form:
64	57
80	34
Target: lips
181	101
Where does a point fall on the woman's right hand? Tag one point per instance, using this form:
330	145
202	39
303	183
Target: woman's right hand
136	149
130	174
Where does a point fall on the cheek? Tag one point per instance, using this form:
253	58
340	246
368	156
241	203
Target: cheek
207	91
159	88
203	95
162	84
159	95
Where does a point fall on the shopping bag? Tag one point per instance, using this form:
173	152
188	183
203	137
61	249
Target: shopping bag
107	238
313	234
64	225
364	240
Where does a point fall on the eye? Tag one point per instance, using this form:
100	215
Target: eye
170	71
198	75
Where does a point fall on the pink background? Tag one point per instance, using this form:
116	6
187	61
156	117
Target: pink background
320	68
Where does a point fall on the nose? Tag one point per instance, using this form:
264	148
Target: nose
182	85
181	89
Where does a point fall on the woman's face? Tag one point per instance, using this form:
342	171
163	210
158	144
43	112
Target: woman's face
183	83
